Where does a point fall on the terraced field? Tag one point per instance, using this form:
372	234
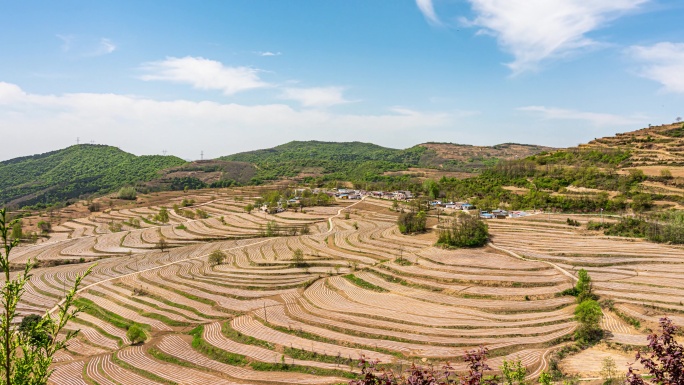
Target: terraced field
362	288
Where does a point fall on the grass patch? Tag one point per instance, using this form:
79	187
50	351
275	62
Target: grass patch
364	284
89	307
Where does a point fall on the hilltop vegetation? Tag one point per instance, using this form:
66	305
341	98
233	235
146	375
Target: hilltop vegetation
75	171
366	162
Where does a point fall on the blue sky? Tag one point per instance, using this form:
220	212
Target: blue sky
229	76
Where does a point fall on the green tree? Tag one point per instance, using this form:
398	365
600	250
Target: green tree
136	334
249	208
583	287
298	258
431	189
545	378
641	202
609	371
513	372
588	314
467	231
128	193
27	353
162	244
44	227
217	257
163	215
17	231
412	222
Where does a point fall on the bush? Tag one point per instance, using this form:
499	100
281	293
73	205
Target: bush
298	258
467	231
45	227
217	257
572	222
128	193
136	334
162	216
94	207
412	222
588	314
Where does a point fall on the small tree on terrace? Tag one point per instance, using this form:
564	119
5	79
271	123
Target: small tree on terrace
128	193
162	244
298	258
588	314
467	231
217	257
412	222
27	350
136	334
162	216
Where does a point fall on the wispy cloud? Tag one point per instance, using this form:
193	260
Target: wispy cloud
268	53
315	96
536	31
204	74
663	63
66	42
106	47
594	118
85	47
428	10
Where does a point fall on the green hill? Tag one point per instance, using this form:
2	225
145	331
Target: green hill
75	171
328	160
356	161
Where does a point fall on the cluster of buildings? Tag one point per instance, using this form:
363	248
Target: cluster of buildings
502	214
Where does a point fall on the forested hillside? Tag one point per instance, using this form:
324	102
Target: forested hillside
366	162
328	160
75	171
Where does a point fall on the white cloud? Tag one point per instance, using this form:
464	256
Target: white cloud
269	53
594	118
534	31
315	96
66	42
663	62
428	11
106	47
184	128
204	74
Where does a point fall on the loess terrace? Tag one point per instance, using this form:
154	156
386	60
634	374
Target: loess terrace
362	288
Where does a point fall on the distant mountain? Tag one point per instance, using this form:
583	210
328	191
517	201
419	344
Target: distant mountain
74	172
369	162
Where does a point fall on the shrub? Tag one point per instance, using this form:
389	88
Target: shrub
45	227
217	257
94	207
572	222
136	334
467	231
162	216
298	258
128	193
588	314
412	222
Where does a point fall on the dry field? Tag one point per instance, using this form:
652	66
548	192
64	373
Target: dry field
363	289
